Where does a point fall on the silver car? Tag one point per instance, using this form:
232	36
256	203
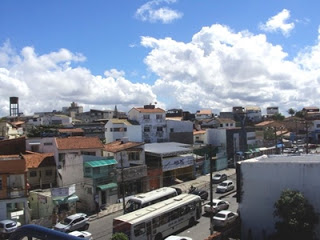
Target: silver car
215	206
7	227
225	186
224	218
78	221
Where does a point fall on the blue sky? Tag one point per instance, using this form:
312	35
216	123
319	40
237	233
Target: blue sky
181	54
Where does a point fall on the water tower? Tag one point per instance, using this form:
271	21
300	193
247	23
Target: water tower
14	106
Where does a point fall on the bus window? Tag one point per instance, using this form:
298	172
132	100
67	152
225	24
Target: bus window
139	229
156	222
132	206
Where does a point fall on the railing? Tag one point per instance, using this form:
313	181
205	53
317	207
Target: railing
38	232
16	192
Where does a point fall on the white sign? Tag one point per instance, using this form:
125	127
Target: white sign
63	191
177	162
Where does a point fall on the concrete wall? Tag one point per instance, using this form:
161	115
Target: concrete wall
262	184
217	137
180	131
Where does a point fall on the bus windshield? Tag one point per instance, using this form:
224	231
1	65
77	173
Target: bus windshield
132	205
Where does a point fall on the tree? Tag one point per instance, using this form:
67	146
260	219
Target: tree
119	236
297	215
300	114
291	111
278	117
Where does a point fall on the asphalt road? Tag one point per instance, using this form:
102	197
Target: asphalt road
102	228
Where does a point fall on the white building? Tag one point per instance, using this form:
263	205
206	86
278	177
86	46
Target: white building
116	129
152	121
261	182
253	113
272	111
204	114
50	119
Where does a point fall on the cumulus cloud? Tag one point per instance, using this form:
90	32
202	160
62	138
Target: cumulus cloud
220	68
279	23
154	11
47	82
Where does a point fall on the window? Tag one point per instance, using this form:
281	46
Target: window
146	117
159	129
33	173
49	172
227	124
231	124
62	157
158	116
318	125
171	130
139	229
89	190
47	144
146	129
0	183
96	170
88	153
134	156
87	170
221	125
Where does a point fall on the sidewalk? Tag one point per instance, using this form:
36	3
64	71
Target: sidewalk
200	182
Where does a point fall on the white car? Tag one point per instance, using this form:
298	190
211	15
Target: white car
82	234
77	221
225	186
177	238
215	206
7	227
224	218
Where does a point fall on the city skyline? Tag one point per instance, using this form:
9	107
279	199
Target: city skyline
180	54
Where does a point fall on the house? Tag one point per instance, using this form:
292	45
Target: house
204	114
8	130
41	170
253	113
131	167
169	163
271	111
199	137
152	121
13	188
116	129
70	132
66	153
94	115
260	183
47	119
99	187
179	131
92	129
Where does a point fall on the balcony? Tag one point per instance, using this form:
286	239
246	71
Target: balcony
16	192
132	173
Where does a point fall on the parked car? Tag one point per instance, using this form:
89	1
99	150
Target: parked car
225	186
78	221
215	206
177	238
218	178
7	227
224	218
82	234
202	193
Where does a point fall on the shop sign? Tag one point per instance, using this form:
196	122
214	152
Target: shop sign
177	162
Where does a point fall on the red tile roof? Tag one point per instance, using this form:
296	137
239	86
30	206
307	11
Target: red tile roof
70	130
79	143
146	110
118	146
33	160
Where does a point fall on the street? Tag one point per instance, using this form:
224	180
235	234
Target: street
102	228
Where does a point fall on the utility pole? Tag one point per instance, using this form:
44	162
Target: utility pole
211	190
123	185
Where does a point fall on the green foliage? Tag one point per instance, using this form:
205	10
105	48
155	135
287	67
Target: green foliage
299	114
297	215
278	117
119	236
291	111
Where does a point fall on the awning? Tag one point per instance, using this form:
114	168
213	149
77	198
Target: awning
100	163
107	186
63	200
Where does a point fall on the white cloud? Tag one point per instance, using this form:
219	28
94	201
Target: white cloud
279	23
221	68
46	82
153	11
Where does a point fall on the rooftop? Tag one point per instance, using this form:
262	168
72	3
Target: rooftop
303	158
167	148
118	146
79	143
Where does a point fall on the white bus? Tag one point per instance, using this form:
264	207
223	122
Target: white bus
145	199
160	220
